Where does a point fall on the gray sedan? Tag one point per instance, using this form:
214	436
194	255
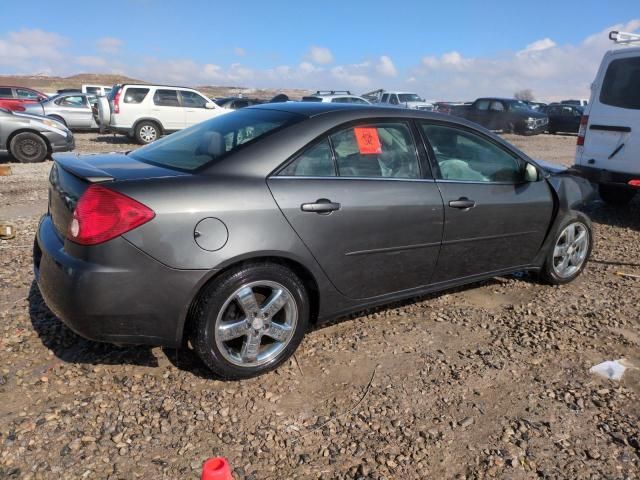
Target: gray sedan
75	110
30	138
241	232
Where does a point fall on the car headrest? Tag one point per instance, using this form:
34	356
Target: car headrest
212	144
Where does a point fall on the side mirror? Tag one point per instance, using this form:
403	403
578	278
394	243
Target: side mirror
209	105
531	173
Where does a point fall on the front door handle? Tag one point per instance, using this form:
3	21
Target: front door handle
462	203
321	205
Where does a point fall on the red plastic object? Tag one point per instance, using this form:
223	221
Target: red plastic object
216	468
634	183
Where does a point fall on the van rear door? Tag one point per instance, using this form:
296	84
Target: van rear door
612	140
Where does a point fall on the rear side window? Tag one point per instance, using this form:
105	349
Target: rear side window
75	101
166	98
315	161
6	92
135	95
93	89
621	85
482	104
209	141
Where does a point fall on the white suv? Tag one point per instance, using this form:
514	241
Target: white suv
146	112
608	150
335	96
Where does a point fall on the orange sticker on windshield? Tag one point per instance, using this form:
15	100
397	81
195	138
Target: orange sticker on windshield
368	140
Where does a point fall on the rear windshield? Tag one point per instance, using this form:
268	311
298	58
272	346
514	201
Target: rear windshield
621	85
210	141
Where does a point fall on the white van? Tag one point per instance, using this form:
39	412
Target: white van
96	89
608	150
146	112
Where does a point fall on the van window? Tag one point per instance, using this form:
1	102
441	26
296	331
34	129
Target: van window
135	95
621	85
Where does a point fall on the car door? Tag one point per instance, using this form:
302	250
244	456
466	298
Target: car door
479	111
195	107
494	220
496	116
75	111
360	201
166	108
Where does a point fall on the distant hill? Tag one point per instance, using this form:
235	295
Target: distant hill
50	84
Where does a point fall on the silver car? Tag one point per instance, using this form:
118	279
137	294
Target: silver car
30	138
76	110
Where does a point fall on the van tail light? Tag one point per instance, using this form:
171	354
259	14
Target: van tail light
116	102
582	132
102	214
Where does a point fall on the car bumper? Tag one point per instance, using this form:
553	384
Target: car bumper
607	177
116	294
59	143
534	129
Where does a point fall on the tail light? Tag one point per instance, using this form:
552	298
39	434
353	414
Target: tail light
635	183
582	132
116	102
102	214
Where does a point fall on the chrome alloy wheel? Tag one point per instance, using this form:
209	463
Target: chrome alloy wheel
571	249
256	323
148	133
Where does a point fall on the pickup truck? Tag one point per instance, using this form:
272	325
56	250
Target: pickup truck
506	114
398	99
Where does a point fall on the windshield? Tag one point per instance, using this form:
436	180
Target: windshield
518	105
409	97
213	139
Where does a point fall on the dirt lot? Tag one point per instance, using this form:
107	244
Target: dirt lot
487	381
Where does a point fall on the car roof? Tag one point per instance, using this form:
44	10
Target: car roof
154	85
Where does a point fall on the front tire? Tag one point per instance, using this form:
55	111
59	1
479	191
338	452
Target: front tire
147	132
250	320
27	147
614	195
570	250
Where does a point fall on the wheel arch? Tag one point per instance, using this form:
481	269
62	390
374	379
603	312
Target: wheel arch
28	130
295	265
149	119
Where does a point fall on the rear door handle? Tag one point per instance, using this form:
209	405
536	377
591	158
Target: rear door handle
321	205
462	203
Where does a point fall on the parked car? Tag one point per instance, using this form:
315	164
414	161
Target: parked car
608	147
335	96
506	114
577	103
398	99
30	138
15	98
100	90
234	103
146	112
563	118
242	231
75	110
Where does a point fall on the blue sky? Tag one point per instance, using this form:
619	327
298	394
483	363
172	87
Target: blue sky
435	48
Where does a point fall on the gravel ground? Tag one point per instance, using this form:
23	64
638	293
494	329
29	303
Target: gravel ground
488	381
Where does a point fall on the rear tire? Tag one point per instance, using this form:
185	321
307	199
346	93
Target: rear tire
147	132
27	147
614	195
569	253
232	315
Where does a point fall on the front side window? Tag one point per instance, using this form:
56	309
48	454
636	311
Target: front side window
496	106
166	98
74	101
192	99
621	85
393	100
210	141
22	93
465	156
482	104
135	95
384	150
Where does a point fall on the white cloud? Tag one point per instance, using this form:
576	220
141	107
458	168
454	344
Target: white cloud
110	45
239	51
386	67
91	61
538	46
320	55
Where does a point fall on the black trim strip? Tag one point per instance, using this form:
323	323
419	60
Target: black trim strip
392	249
488	237
610	128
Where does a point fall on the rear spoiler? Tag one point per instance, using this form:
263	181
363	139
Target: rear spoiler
81	168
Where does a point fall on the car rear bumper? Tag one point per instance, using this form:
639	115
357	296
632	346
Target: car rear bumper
132	300
607	177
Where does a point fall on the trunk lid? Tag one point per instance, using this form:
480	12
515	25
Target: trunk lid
72	174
